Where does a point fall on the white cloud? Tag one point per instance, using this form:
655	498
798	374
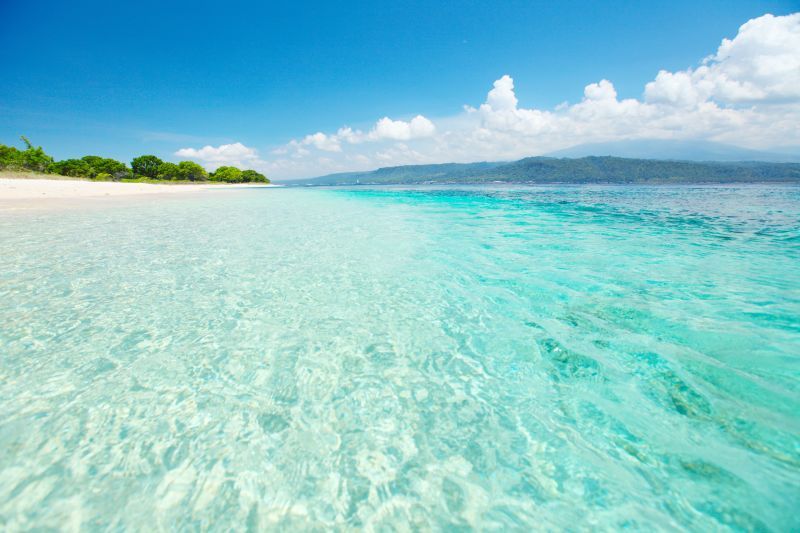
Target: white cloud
675	88
502	97
760	64
747	93
601	91
400	130
500	111
235	154
347	134
328	143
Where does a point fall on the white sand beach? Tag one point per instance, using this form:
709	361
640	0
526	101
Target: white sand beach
29	191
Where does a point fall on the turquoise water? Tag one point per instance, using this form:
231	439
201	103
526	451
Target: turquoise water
473	358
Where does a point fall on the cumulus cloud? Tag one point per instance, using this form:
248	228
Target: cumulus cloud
502	96
211	157
328	143
400	130
746	93
761	64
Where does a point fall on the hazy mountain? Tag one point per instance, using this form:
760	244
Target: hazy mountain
677	150
565	170
445	172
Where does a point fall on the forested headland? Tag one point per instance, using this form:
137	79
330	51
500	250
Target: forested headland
144	168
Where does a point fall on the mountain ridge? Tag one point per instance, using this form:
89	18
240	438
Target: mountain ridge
679	150
584	170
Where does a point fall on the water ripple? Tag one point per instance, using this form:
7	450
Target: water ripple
436	358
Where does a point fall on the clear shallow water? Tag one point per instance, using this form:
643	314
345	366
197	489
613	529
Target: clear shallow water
453	358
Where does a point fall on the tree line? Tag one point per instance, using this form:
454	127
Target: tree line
143	168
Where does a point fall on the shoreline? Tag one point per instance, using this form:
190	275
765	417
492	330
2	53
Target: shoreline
35	190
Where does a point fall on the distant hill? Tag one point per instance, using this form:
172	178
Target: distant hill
445	172
600	170
696	150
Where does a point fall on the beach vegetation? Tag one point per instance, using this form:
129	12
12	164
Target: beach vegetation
77	168
32	158
191	171
90	166
104	165
146	165
144	168
227	174
251	176
167	171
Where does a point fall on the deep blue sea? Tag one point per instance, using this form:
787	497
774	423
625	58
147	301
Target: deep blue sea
456	358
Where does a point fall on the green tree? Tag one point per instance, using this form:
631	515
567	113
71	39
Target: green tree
117	169
92	160
227	174
31	158
77	168
34	158
188	170
104	165
168	171
10	157
249	176
146	165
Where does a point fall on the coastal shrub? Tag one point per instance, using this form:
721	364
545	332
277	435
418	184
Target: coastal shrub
103	165
77	168
190	171
92	160
234	175
104	176
168	171
146	166
32	158
227	174
249	176
10	157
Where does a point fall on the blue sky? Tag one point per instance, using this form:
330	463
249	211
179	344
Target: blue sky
124	78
